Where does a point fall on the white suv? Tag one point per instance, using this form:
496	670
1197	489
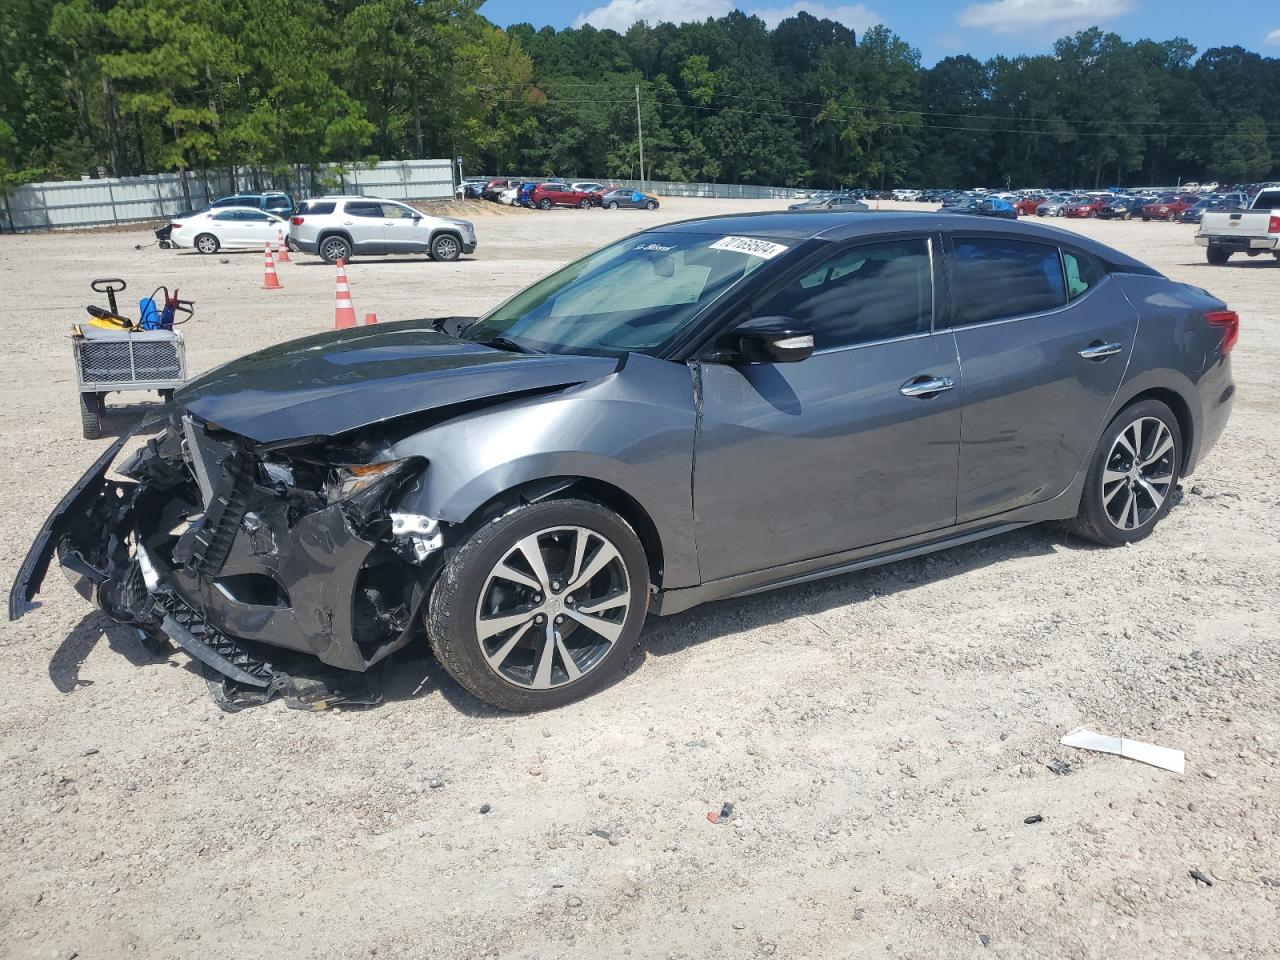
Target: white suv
338	228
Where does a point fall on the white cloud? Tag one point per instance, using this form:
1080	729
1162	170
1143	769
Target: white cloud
1273	37
1016	16
855	16
620	14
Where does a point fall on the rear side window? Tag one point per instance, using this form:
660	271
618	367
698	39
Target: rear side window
1083	273
998	278
316	207
874	292
1267	200
364	208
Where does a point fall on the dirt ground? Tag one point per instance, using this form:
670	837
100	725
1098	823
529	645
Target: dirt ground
882	736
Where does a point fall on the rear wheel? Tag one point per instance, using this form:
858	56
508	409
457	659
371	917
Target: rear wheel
206	243
445	247
545	204
612	204
333	249
542	606
1217	255
93	407
1133	475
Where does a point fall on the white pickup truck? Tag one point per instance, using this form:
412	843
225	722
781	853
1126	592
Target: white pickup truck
1253	231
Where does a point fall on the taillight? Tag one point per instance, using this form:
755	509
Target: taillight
296	221
1273	225
175	225
1229	321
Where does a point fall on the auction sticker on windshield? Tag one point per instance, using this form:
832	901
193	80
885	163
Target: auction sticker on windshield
764	249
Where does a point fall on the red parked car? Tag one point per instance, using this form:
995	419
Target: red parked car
1168	207
1088	207
1027	205
556	194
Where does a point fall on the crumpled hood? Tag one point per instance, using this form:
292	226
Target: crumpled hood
334	382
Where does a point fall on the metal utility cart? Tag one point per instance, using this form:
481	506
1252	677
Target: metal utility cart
123	356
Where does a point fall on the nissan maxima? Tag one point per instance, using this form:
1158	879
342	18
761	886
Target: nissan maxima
703	410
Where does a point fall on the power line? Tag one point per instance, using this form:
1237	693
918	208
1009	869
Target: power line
887	123
608	84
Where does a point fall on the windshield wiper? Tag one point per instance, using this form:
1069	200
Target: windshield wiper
500	342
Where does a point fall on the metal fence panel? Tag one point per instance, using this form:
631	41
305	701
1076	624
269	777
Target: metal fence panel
91	203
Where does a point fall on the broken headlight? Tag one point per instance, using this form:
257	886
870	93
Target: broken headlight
347	480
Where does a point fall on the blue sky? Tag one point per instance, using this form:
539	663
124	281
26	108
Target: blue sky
939	29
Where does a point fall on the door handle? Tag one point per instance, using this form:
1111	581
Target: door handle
926	386
347	223
1100	351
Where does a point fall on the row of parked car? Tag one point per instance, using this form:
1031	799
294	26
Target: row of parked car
547	194
335	228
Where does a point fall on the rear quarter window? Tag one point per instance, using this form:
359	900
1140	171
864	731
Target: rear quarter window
997	278
1267	200
1083	272
316	207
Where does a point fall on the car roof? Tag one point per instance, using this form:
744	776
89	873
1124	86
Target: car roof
838	226
229	208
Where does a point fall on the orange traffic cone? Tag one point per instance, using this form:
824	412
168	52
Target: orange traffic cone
282	248
269	279
370	319
344	314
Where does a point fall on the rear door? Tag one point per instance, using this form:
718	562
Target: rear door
795	461
1044	338
363	220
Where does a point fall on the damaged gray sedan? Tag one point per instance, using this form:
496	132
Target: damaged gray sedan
704	410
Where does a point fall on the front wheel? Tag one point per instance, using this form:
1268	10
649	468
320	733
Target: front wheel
542	606
651	205
1133	475
445	247
584	204
206	243
1217	255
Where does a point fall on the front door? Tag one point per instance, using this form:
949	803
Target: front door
402	229
1044	337
854	446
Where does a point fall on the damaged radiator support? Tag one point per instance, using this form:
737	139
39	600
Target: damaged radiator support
204	548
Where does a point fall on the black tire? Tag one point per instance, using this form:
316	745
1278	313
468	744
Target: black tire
93	407
334	248
584	204
445	247
651	204
545	203
612	204
456	596
1217	255
206	243
1094	522
1145	218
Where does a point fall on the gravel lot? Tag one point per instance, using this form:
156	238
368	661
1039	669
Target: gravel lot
882	736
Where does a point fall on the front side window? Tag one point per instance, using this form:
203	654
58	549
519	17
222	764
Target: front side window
632	296
873	292
393	211
997	278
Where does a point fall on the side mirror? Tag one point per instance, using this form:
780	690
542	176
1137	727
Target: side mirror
772	340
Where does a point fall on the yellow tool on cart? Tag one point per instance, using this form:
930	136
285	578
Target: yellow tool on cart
115	353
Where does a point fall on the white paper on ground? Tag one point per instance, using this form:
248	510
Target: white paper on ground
1164	757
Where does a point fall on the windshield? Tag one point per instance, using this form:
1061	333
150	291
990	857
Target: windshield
632	296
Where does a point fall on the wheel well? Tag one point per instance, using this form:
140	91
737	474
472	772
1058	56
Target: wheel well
586	488
326	234
1181	412
445	230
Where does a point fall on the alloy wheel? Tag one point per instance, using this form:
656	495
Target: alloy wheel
552	607
1139	473
207	244
335	249
446	248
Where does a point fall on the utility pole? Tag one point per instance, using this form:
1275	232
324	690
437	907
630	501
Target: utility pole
640	136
